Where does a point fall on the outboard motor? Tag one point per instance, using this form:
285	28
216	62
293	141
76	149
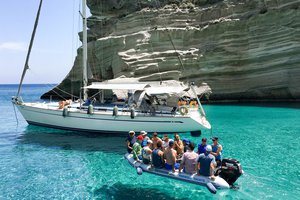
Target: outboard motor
230	170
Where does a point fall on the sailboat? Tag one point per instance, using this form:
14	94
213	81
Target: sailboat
165	107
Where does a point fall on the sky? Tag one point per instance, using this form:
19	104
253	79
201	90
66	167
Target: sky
55	45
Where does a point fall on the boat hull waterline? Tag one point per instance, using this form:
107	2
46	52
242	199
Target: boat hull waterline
218	182
78	120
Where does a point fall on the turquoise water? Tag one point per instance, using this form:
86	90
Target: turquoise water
42	163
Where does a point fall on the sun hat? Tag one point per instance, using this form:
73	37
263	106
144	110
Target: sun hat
143	133
165	137
131	132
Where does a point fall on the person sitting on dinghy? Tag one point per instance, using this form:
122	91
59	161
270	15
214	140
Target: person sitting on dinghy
165	142
206	163
186	143
158	156
178	145
189	160
145	138
137	149
170	157
202	146
131	139
155	139
217	150
147	152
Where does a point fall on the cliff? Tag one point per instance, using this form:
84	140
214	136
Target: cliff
245	50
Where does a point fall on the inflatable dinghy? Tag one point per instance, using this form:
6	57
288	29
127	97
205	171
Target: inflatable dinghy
211	184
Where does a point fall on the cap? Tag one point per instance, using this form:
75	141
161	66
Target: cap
131	132
171	142
214	138
139	137
208	148
149	142
143	133
165	137
154	134
187	141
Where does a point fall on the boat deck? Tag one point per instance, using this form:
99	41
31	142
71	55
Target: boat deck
107	109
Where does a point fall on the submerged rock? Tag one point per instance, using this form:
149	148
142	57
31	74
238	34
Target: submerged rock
245	50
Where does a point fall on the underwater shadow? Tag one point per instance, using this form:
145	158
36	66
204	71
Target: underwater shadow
119	191
71	140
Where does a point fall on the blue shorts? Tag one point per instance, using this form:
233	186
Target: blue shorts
169	167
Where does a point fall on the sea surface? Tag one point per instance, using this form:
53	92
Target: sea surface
44	163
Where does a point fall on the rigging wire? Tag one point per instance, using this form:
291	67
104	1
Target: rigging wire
50	86
16	116
72	50
26	66
151	45
171	40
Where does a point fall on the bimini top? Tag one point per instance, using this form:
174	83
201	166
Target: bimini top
119	84
170	87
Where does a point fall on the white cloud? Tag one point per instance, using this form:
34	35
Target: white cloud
14	46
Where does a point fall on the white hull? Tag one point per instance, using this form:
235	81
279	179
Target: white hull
218	182
102	121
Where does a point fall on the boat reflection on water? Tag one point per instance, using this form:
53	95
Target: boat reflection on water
70	140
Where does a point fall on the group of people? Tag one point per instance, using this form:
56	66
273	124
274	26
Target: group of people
173	154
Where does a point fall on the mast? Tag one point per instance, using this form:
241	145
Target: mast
26	66
84	46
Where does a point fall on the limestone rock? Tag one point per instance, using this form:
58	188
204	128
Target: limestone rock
245	50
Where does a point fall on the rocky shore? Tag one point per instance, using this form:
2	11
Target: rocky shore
245	50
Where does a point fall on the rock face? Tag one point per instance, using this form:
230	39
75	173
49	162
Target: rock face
245	50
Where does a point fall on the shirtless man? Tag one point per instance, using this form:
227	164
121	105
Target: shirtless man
178	145
155	139
170	157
